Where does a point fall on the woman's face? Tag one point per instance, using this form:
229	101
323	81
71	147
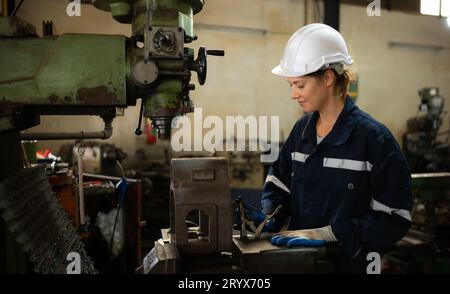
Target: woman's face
310	92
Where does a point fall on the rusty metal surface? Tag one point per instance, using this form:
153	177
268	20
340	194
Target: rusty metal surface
201	184
39	224
97	95
70	70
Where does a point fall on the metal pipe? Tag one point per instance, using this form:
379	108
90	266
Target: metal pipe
106	177
105	134
430	175
17	8
331	17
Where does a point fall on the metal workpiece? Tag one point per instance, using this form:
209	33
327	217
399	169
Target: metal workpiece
199	188
261	257
39	224
162	259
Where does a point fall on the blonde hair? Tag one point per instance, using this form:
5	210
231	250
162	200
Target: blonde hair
341	81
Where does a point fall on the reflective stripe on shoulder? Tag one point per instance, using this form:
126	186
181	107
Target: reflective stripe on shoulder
347	164
297	156
273	179
378	206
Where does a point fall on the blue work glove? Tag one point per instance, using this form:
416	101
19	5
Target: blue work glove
253	219
308	238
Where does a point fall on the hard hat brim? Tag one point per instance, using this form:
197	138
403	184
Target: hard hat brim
279	71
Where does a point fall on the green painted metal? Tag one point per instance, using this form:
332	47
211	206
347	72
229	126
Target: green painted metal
164	100
175	13
11	26
187	23
105	5
6	123
170	13
122	12
95	70
70	70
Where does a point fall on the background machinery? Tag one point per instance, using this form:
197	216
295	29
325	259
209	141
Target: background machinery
425	151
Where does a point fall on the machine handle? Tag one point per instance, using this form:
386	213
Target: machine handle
200	64
215	52
138	131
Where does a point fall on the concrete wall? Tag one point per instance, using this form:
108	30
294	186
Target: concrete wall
390	77
253	34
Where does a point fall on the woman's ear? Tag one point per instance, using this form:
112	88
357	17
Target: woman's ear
329	78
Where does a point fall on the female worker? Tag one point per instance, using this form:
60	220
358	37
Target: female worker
340	176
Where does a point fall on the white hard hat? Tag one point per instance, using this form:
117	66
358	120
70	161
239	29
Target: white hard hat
313	47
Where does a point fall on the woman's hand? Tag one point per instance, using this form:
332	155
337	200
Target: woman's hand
308	238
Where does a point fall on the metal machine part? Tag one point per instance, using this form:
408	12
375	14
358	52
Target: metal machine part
431	210
200	195
261	257
15	27
105	134
93	74
424	151
162	259
425	248
247	256
145	72
39	224
433	105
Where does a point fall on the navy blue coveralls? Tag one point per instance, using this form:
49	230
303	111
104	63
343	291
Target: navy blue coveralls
356	180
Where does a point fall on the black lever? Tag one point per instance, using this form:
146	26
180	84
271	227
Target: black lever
215	52
138	130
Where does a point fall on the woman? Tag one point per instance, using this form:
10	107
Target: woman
340	176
